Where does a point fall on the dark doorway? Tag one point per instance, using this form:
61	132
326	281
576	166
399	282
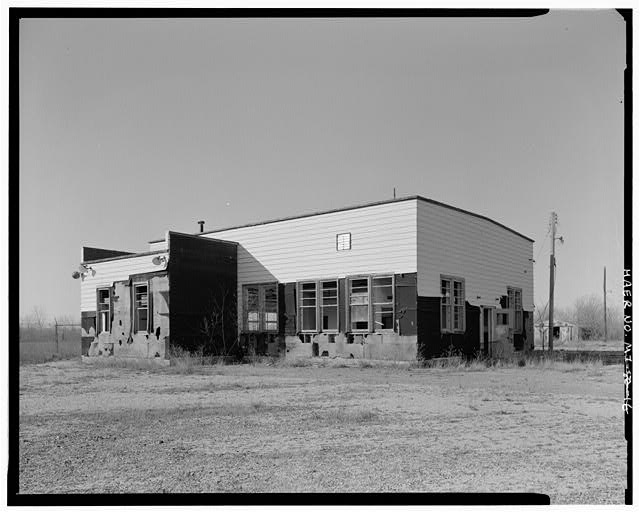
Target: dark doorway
486	329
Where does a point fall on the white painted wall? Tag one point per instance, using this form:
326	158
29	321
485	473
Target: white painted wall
113	270
158	246
487	256
382	240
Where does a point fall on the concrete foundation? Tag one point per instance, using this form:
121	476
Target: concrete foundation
371	346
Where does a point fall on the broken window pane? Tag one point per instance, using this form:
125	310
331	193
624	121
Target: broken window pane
308	303
382	295
104	310
329	307
359	303
445	319
141	310
514	303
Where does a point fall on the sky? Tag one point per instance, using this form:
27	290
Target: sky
131	127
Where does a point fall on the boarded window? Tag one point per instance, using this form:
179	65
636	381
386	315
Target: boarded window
382	299
452	304
141	307
261	307
104	310
329	306
514	304
359	304
343	241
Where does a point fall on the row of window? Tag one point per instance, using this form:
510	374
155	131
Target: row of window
452	311
140	309
370	306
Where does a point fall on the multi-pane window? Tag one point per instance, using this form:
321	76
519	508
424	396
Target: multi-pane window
104	310
271	307
359	304
318	306
514	303
140	307
382	300
329	305
452	304
252	308
261	307
308	303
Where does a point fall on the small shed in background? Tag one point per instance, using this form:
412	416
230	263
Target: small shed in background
563	332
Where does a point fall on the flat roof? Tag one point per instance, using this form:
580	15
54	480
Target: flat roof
354	207
155	252
124	257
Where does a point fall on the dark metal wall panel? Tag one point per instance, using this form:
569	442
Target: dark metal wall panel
471	343
432	343
287	298
406	296
202	285
343	301
527	332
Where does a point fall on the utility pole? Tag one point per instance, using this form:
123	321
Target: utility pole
604	291
552	272
57	343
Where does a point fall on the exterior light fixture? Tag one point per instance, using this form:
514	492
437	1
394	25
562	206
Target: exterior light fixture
160	259
82	272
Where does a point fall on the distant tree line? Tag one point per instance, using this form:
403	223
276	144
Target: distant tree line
37	318
588	314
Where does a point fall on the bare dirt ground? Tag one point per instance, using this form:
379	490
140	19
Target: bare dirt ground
261	428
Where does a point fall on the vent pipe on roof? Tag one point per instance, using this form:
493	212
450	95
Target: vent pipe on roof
201	223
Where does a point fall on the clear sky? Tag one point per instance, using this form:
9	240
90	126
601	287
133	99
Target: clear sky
132	127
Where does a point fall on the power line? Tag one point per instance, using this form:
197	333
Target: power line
543	241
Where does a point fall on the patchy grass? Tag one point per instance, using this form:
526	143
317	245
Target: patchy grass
324	428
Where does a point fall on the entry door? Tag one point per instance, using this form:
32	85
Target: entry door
487	329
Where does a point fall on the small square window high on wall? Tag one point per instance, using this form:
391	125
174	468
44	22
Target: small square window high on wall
343	242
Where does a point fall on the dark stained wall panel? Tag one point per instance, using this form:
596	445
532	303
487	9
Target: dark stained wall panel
202	282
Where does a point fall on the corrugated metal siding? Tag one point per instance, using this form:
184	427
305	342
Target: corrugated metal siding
108	272
487	256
